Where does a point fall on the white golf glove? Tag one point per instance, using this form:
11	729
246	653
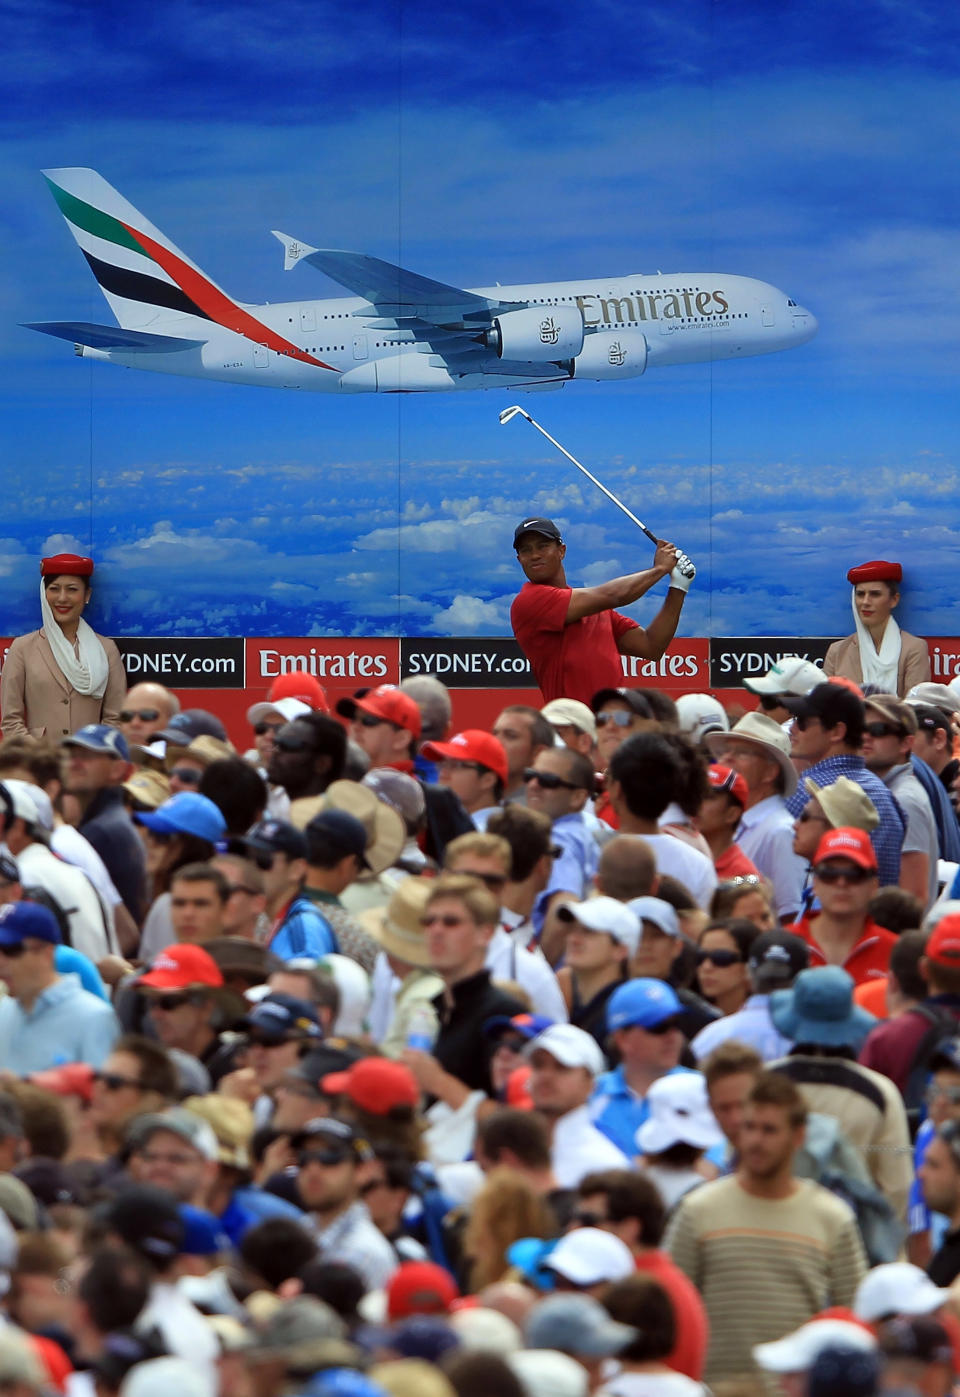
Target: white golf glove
683	573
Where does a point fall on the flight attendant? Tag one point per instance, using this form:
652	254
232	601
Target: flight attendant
878	652
63	676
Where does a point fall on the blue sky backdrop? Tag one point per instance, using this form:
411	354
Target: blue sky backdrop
807	146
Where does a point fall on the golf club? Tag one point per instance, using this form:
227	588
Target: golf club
509	413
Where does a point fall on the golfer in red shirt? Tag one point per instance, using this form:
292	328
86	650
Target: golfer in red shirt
571	635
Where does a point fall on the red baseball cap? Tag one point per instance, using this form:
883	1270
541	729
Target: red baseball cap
181	967
375	1084
420	1288
386	702
724	778
70	1079
70	563
943	946
518	1088
877	571
471	745
846	843
304	687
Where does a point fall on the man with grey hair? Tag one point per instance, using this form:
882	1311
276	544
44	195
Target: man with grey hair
147	709
436	710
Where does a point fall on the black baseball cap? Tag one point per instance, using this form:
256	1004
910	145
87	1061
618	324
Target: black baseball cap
776	959
546	527
831	703
189	724
342	830
280	837
331	1132
147	1219
633	698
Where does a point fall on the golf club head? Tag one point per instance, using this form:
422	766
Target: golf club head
509	413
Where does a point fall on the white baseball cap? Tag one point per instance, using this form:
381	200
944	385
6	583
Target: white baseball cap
662	914
589	1256
799	1350
940	695
791	674
545	1372
604	914
897	1288
288	708
680	1114
570	713
30	803
570	1046
701	713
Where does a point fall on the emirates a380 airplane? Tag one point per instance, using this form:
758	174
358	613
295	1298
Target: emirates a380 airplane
399	332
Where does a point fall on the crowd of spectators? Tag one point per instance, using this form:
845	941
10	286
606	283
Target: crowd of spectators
613	1050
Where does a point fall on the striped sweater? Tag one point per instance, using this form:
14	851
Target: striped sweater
763	1266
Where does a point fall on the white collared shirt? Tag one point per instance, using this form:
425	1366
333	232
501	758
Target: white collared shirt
579	1148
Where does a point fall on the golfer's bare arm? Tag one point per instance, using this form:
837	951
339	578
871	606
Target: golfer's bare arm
621	591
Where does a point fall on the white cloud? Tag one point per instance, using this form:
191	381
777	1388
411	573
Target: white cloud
473	616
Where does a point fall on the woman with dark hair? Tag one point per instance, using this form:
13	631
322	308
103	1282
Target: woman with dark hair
183	830
63	676
642	1303
722	951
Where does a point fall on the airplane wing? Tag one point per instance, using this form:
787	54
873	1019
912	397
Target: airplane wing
112	337
388	286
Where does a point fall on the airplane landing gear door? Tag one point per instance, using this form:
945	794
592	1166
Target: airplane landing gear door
360	347
259	356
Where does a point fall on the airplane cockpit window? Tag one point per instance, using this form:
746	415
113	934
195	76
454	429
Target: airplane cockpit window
790	303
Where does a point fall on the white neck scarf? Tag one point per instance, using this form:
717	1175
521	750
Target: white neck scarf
878	666
89	673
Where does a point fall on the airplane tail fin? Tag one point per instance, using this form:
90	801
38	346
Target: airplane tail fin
146	280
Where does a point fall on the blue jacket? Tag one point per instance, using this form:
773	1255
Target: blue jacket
304	931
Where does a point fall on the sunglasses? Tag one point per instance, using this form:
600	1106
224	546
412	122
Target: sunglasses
492	880
147	715
113	1082
549	781
14	951
803	720
453	764
370	720
186	775
326	1157
883	730
586	1218
768	702
659	1029
169	1002
721	959
292	744
371	1186
617	717
807	815
261	728
843	873
259	1040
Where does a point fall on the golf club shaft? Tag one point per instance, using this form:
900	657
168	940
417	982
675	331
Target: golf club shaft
599	484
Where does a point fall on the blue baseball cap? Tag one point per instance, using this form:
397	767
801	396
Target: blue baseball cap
202	1234
186	813
97	737
527	1025
282	1016
20	920
642	1003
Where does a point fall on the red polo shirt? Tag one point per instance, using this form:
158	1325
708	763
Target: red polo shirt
572	661
869	957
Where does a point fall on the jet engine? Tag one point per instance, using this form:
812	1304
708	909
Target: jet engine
540	334
611	354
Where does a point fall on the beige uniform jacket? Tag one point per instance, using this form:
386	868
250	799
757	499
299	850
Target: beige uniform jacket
843	658
36	698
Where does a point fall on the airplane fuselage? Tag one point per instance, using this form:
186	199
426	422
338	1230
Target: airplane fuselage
345	345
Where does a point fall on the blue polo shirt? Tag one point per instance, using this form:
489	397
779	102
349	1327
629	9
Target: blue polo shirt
64	1024
618	1111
